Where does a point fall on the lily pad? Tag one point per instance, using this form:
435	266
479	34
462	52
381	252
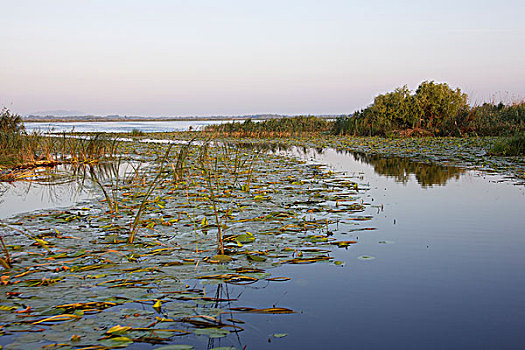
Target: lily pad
279	335
212	332
176	347
366	257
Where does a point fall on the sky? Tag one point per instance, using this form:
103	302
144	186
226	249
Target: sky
240	57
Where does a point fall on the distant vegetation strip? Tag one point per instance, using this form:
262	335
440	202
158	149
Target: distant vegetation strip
282	127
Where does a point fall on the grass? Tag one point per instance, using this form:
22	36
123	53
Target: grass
137	132
510	146
20	152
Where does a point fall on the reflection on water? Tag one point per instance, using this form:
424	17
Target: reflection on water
401	169
59	186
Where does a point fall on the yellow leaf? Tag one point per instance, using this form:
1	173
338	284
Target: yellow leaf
57	318
118	329
162	319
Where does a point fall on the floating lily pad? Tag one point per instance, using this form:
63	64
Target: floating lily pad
279	335
212	332
366	257
176	347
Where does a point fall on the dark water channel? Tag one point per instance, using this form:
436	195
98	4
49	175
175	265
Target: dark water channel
447	271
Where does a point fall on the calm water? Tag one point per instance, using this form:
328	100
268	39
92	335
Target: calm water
145	126
450	276
447	273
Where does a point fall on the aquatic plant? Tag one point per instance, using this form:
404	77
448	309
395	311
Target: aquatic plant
135	224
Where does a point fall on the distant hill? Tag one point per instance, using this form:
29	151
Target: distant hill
57	113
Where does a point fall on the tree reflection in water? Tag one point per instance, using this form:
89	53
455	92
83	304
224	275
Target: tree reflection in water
426	174
401	169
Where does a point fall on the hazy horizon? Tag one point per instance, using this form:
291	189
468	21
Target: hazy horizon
202	58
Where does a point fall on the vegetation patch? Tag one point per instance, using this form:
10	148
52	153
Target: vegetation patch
21	152
512	146
434	109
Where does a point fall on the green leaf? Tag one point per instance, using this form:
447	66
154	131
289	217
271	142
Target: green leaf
212	332
279	335
118	342
176	347
366	257
245	238
254	257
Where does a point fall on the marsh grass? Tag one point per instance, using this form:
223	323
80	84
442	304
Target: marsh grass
510	146
18	149
272	128
137	132
20	152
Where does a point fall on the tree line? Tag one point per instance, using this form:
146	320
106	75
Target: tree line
433	109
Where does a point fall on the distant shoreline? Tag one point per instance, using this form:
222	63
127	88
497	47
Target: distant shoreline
78	119
103	119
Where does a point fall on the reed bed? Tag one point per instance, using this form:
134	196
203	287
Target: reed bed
272	128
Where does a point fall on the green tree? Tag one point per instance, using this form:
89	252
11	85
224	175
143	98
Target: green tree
438	105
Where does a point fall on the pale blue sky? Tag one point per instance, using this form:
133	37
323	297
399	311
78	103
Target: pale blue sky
233	57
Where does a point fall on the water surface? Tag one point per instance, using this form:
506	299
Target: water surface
121	126
447	273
